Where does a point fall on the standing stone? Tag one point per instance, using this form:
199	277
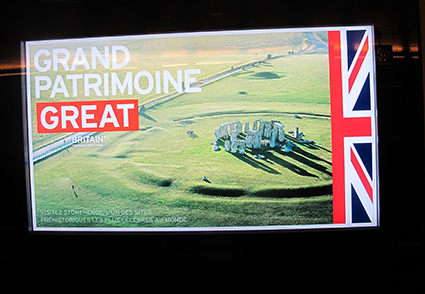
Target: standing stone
246	128
225	130
216	135
273	138
261	127
256	140
254	125
227	145
267	129
297	129
239	127
234	147
233	135
242	147
231	128
249	138
281	134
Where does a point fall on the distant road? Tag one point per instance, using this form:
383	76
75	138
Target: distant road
57	146
315	43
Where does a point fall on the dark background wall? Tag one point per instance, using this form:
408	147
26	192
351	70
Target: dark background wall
392	254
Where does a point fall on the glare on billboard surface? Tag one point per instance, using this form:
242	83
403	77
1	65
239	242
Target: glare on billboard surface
212	131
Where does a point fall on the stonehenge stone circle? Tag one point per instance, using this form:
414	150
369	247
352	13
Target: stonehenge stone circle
263	133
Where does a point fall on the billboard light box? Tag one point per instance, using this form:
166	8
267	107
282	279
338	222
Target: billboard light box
211	131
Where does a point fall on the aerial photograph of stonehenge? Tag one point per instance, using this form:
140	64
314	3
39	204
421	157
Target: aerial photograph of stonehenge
234	132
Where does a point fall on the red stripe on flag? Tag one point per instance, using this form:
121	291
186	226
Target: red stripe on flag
358	64
334	41
362	175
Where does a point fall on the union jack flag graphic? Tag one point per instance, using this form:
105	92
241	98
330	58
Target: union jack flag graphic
354	130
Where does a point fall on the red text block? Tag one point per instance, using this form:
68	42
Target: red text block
90	116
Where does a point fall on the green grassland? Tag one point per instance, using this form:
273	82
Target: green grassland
159	169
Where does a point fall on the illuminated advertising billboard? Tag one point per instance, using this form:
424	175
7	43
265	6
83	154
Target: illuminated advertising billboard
210	131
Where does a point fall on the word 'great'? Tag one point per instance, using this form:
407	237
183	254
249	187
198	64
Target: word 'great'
76	116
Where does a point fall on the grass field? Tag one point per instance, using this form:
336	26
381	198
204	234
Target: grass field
153	177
